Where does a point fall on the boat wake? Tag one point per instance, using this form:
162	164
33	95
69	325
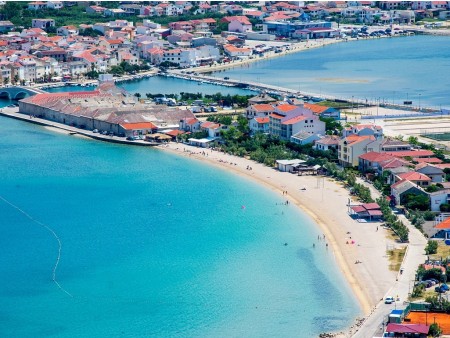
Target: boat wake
54	235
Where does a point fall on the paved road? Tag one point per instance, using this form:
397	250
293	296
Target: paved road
415	255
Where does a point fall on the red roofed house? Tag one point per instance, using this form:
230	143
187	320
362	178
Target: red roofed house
408	330
240	24
327	142
289	120
190	124
416	178
323	111
381	161
67	31
436	174
363	130
259	110
259	125
371	211
351	147
137	129
443	230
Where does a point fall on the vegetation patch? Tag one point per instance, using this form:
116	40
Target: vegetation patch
396	258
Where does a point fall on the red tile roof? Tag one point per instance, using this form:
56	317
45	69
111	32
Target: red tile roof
138	125
295	119
374	156
286	107
276	116
262	120
411	153
263	107
414	176
407	328
445	224
315	108
427	160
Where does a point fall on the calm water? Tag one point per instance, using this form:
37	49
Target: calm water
413	68
153	245
165	85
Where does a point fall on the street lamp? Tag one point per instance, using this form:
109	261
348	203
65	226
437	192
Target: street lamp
352	104
420	95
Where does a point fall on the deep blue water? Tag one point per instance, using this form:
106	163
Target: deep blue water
153	244
413	68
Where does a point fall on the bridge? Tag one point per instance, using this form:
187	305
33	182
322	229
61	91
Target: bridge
19	92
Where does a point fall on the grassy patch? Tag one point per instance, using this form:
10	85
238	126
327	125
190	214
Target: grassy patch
396	258
334	104
442	251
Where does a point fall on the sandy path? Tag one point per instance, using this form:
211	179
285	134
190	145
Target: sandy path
326	203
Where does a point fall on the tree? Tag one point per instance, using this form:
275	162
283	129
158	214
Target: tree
419	202
431	247
435	330
138	95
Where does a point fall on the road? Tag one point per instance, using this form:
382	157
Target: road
373	326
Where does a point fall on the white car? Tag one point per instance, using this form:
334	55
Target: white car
389	300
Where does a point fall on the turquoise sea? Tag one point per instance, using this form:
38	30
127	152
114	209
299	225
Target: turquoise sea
153	245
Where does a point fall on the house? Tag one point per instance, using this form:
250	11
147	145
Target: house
439	197
36	5
259	110
95	9
373	161
443	230
402	188
436	174
236	52
259	125
240	24
288	165
42	23
213	129
114	12
416	154
6	26
371	211
394	145
191	124
363	130
55	4
327	142
304	137
137	128
288	120
407	330
67	31
323	111
418	179
352	146
260	99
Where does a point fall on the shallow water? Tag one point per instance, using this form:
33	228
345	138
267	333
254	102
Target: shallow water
153	244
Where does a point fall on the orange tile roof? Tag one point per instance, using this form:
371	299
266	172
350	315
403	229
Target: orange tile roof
445	224
263	107
295	119
138	125
286	107
276	116
414	176
262	119
315	108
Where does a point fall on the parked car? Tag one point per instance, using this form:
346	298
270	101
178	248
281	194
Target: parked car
445	287
389	300
439	289
104	132
95	131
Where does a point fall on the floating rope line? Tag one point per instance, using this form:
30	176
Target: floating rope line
54	235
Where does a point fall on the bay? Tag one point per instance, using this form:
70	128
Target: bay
386	70
153	244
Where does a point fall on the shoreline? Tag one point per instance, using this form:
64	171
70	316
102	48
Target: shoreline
361	280
369	281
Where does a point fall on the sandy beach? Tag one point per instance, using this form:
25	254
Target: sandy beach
294	48
325	201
